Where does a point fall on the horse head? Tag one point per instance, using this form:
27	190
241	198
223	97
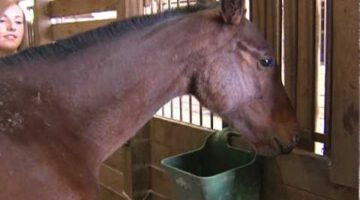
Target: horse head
242	83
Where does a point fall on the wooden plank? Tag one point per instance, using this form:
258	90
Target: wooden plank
274	27
258	15
306	64
107	194
270	21
290	48
306	174
61	31
111	178
290	193
137	174
60	8
267	16
184	137
345	92
157	196
159	152
42	31
121	13
134	8
140	164
131	161
127	171
161	183
118	159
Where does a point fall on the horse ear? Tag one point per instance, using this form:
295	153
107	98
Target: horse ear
232	11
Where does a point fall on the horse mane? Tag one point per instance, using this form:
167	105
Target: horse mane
80	41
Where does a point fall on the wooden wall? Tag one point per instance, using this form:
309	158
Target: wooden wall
298	176
342	88
345	93
136	168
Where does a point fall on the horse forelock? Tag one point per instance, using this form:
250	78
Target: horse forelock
83	40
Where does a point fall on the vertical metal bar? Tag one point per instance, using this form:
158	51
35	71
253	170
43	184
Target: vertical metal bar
171	109
328	77
178	3
162	111
151	7
160	6
283	43
169	7
190	108
181	114
211	120
201	115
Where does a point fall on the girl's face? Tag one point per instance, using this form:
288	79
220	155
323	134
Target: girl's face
11	29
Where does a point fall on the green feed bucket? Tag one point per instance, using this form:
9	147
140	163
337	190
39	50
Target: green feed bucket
216	171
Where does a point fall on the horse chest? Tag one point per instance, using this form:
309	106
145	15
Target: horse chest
32	172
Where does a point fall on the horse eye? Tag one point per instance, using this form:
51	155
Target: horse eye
269	62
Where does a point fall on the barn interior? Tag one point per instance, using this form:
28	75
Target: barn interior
316	44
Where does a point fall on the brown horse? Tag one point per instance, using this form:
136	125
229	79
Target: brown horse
65	107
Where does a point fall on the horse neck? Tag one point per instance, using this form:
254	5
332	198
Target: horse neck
115	91
147	88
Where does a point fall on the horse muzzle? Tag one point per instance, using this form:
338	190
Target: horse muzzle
286	150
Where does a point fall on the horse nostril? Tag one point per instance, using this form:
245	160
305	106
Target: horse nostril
288	149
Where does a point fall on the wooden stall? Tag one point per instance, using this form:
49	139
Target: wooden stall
134	171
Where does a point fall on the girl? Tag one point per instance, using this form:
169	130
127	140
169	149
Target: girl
13	28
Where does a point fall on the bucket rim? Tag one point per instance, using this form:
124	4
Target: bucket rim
252	161
253	154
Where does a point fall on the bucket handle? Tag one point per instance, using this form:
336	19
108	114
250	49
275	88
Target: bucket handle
224	135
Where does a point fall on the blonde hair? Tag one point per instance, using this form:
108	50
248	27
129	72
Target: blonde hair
4	4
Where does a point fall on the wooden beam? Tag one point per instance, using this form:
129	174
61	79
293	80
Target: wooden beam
61	31
290	48
258	15
345	93
306	64
305	175
60	8
42	31
273	27
134	8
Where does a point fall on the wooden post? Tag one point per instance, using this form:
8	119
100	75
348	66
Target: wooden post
120	8
267	16
345	93
290	48
306	63
133	8
42	32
